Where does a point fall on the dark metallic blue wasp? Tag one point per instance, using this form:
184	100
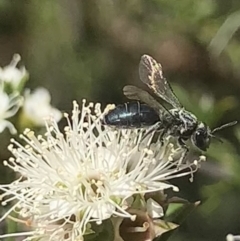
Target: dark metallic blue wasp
176	121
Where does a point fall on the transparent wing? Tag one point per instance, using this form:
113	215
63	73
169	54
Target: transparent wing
134	93
150	72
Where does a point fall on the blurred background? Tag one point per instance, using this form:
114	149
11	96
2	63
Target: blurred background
91	49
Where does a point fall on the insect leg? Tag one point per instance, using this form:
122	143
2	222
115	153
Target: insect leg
161	137
149	131
157	127
184	146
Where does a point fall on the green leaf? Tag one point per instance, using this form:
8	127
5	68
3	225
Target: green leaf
162	227
177	212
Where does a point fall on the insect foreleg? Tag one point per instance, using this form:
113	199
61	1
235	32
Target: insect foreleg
184	146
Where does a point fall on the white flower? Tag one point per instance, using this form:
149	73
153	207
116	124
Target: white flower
13	76
37	107
231	237
9	105
87	174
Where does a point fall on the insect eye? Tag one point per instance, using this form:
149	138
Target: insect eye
201	139
199	134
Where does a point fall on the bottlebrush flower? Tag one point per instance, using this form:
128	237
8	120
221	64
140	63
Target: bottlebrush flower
86	174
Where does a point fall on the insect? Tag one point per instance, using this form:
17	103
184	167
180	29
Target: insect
175	121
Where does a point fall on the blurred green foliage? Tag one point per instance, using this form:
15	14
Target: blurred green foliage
91	49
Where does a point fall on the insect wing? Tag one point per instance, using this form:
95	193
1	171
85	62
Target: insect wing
150	72
134	93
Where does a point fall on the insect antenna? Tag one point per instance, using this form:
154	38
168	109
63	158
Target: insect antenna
224	126
220	128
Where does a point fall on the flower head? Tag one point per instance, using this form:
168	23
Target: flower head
85	175
12	76
37	106
9	105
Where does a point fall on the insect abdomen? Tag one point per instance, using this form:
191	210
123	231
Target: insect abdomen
131	115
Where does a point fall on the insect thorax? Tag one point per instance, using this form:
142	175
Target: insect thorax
184	123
